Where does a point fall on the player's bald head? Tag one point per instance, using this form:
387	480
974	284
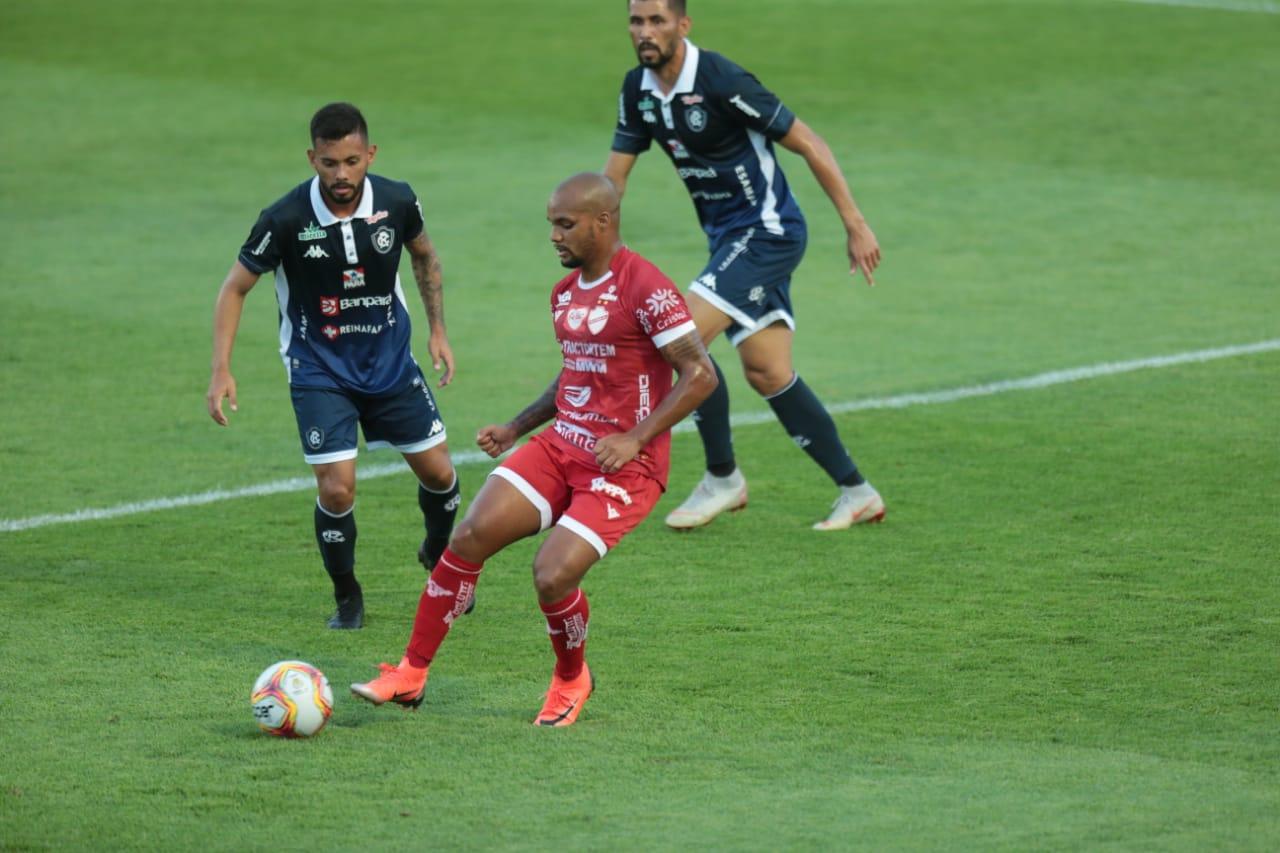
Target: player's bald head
587	192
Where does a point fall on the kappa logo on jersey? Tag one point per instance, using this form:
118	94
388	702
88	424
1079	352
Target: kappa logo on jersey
678	150
312	232
662	300
597	319
377	217
707	280
696	118
330	332
600	484
576	315
315	252
315	438
262	247
351	279
577	395
333	536
383	239
329	306
737	101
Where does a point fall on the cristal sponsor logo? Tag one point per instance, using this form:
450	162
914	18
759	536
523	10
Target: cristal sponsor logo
678	150
434	590
662	300
696	172
597	319
366	302
330	332
707	280
353	278
745	180
453	503
437	427
613	490
312	232
577	395
315	438
315	252
672	320
383	239
329	306
379	216
756	295
642	412
690	100
575	629
333	536
696	118
737	101
262	246
576	315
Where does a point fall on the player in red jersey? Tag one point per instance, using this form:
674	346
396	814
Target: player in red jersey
597	471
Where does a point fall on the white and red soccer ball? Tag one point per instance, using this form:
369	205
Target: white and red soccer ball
292	699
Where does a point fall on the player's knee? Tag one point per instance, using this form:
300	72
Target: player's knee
550	581
336	496
766	379
438	477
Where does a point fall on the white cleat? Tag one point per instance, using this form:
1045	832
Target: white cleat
856	505
712	496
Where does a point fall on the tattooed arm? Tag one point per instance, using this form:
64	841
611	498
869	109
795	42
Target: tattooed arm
697	379
428	275
496	440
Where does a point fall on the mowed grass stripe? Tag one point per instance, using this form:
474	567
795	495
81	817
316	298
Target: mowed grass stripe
468	457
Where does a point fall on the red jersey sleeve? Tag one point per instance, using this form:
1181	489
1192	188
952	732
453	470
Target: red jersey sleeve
659	307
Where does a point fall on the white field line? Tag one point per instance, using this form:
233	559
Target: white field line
467	457
1265	7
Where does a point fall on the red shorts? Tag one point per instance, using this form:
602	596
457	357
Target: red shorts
574	493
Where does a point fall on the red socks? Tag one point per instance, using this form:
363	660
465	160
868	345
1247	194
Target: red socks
567	625
449	590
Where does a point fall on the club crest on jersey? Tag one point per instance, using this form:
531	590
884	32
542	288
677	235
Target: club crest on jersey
312	232
315	253
575	317
329	306
597	319
315	438
383	239
696	118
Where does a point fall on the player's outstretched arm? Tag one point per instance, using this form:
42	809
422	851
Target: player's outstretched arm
696	379
864	250
429	275
617	168
226	321
496	439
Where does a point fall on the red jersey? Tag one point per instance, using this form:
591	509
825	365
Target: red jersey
610	331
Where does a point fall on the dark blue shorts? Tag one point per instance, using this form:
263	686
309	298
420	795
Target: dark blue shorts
749	279
408	421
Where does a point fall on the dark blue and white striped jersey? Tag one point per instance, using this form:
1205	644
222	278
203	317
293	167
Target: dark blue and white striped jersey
344	323
718	125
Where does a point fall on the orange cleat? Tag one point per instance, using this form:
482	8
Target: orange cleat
404	685
565	699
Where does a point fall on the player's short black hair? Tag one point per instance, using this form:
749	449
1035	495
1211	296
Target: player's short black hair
676	6
336	121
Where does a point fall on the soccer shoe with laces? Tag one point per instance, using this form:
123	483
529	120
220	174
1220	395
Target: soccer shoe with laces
565	699
429	554
712	496
395	684
857	505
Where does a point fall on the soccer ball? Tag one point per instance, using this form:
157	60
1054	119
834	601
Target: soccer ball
291	699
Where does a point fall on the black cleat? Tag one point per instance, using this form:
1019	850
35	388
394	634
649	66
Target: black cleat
429	554
350	614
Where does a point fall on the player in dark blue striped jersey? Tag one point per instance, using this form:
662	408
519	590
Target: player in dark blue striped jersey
334	244
718	124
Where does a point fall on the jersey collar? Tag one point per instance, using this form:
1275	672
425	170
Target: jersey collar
325	216
684	83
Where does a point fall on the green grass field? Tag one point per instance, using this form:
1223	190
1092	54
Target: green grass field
1065	636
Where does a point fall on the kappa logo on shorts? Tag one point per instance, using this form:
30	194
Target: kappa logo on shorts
597	319
315	438
329	306
707	280
383	239
437	427
613	513
600	484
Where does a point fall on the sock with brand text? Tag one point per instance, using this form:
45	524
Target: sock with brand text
567	626
336	536
448	592
439	509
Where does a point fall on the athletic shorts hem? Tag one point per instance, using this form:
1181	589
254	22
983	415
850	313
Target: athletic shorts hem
593	539
524	487
722	306
416	447
326	458
763	323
